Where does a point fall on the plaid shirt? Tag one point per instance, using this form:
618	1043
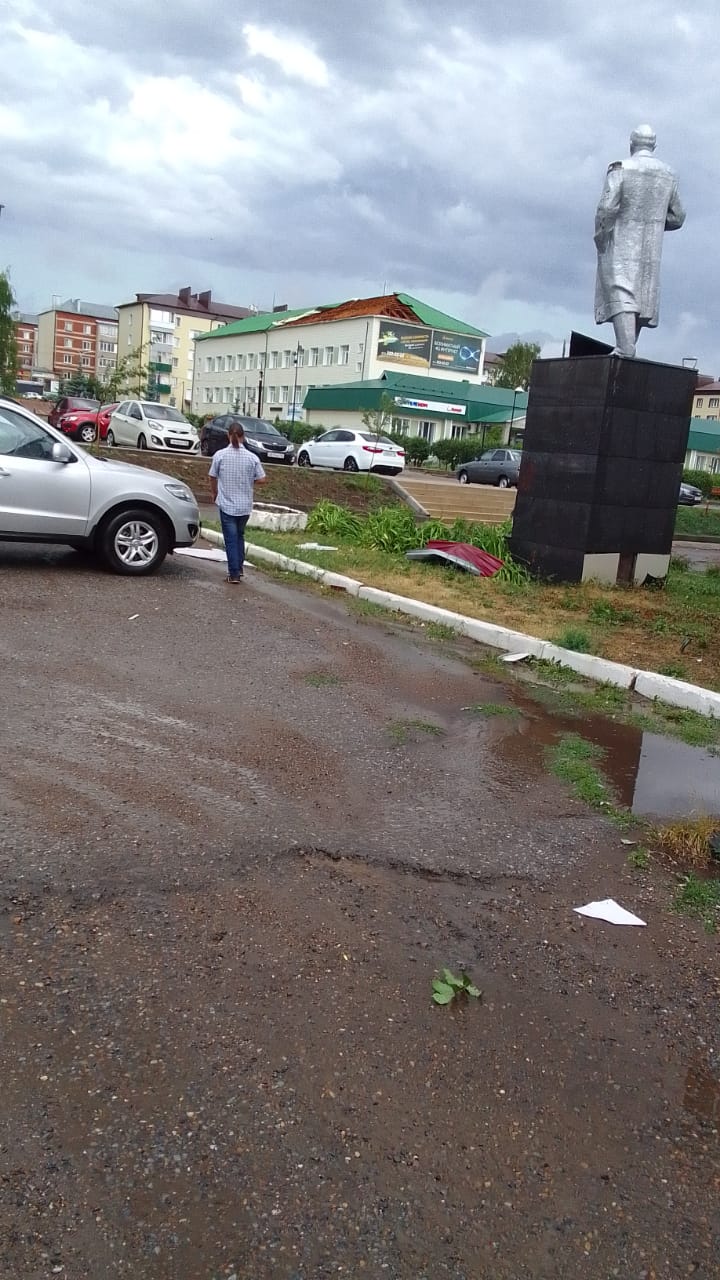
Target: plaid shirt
236	471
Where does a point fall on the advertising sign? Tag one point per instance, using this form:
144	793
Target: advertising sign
455	352
404	344
435	406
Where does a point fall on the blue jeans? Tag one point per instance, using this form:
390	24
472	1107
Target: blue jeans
233	531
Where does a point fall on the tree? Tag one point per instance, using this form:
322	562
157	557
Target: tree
8	343
379	421
516	366
131	376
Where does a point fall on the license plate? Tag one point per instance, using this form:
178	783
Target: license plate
276	453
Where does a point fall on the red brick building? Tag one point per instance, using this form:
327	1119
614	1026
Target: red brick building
77	335
26	330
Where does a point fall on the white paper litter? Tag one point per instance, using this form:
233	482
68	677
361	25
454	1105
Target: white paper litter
314	546
133	616
515	657
201	553
609	910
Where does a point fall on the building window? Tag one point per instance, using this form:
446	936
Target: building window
274	359
287	359
240	363
251	360
314	356
68	326
284	395
87	328
175	362
67	359
68	342
87	361
178	319
343	355
217	394
700	402
329	355
87	346
261	360
208	364
713	402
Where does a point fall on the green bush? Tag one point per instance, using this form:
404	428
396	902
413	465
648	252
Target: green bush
417	449
703	480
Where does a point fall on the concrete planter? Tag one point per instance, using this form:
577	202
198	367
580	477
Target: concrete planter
269	515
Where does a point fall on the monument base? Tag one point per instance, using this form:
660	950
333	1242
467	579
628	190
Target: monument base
603	452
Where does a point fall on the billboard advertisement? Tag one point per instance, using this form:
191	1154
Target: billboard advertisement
404	344
456	353
433	406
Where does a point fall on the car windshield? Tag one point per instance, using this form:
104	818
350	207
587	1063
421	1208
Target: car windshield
163	413
82	404
258	427
367	435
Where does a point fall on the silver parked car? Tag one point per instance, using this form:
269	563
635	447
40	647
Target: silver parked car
495	466
53	491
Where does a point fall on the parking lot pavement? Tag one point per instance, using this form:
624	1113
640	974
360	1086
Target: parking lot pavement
240	830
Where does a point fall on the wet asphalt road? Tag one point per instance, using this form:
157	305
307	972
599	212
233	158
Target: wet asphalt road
239	833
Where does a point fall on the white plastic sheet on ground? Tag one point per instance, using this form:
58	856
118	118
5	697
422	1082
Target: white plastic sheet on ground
609	910
202	553
314	546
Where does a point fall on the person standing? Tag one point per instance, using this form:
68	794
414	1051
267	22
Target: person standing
234	472
638	204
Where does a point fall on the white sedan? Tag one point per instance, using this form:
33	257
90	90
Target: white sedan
345	450
143	424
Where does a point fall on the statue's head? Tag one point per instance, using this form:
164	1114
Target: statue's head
642	139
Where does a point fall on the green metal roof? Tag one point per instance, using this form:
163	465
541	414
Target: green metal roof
484	403
265	320
704	436
260	323
438	319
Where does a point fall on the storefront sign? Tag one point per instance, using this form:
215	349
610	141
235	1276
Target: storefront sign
433	406
455	352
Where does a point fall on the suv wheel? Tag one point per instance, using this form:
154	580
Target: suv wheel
134	542
87	433
503	482
463	477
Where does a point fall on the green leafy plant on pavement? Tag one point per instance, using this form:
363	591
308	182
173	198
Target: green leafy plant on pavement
700	899
449	986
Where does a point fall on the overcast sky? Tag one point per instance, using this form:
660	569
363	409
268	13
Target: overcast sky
313	150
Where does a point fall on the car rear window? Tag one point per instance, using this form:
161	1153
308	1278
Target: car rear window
367	435
83	404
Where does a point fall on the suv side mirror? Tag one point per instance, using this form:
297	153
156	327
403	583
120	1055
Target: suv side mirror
61	453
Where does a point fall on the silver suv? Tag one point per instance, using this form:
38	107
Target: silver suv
53	491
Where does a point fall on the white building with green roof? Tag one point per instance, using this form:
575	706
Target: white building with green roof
268	362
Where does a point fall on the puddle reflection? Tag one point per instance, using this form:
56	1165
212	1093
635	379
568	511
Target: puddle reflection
652	775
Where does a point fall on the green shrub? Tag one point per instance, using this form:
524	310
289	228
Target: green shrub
574	638
703	480
417	450
452	453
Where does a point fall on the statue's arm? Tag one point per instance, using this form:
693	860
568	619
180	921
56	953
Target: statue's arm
609	206
676	213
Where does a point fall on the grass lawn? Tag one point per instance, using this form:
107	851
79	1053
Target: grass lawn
692	522
673	631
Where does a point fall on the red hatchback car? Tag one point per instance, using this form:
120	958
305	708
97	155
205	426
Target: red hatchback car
76	417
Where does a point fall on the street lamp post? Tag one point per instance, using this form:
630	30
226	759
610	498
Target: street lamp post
260	394
516	393
296	362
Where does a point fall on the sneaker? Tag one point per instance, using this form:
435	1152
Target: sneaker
234	581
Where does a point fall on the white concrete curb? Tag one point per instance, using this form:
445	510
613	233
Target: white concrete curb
646	683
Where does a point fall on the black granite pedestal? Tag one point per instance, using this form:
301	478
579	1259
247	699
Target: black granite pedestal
604	445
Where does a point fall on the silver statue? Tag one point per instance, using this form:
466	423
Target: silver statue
639	202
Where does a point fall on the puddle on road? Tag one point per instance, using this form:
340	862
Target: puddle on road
651	775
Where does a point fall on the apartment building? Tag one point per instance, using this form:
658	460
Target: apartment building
164	327
706	401
267	362
26	329
76	335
